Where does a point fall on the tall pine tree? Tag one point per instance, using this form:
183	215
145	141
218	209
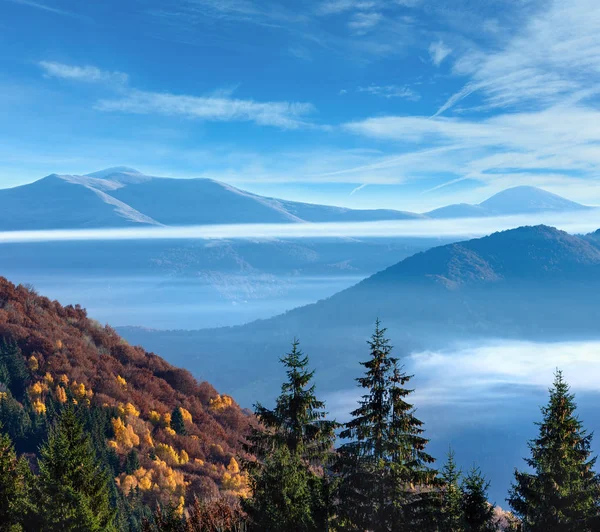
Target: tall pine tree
73	489
384	467
451	512
290	491
478	512
15	482
563	492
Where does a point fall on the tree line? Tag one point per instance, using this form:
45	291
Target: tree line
378	478
381	477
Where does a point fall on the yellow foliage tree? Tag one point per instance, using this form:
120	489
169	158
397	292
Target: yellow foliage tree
48	378
185	414
64	379
35	390
61	395
79	390
121	381
131	410
236	481
221	402
39	407
154	417
125	436
167	453
168	479
33	363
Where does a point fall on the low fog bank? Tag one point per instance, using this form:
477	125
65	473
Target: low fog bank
582	222
483	399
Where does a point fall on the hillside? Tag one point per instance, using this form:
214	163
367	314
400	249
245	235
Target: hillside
530	282
51	355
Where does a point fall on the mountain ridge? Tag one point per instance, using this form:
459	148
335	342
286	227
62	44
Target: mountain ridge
123	196
528	282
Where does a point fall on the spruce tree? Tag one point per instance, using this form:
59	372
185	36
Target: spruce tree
177	422
132	462
478	512
292	446
563	492
15	480
384	469
412	481
451	512
13	369
73	489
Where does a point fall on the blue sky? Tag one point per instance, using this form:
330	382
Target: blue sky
407	104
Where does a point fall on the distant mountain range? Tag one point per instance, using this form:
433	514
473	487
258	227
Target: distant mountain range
530	282
122	197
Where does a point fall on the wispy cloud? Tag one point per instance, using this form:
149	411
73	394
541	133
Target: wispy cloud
390	91
438	51
287	115
44	7
561	139
334	7
358	188
88	74
555	55
364	22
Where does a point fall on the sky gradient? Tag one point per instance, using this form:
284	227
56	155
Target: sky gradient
406	104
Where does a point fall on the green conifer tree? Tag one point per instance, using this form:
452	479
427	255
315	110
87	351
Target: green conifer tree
177	422
289	485
73	489
384	474
15	483
451	513
132	462
563	492
478	512
13	369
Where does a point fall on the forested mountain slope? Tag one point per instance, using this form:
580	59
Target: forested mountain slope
164	436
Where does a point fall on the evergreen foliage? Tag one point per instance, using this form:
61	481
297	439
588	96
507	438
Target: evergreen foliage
563	492
385	478
13	369
478	512
73	489
451	516
15	482
132	462
177	422
293	443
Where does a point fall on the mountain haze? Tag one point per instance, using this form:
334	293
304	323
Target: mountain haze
124	197
530	282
